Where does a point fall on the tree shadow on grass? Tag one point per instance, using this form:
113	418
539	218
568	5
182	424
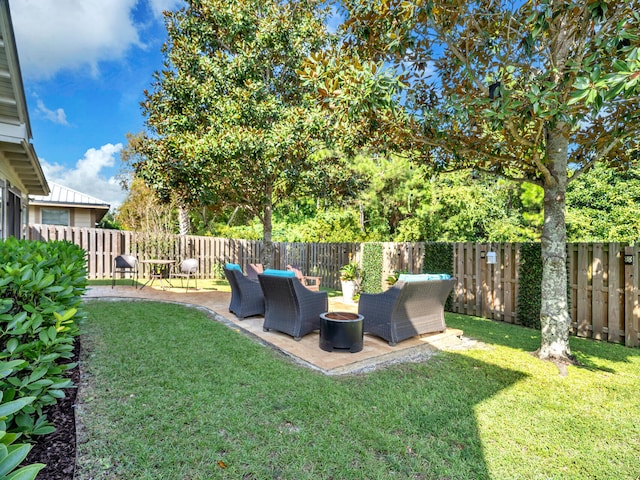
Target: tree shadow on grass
431	417
590	353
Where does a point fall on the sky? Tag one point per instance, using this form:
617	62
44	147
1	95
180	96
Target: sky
85	65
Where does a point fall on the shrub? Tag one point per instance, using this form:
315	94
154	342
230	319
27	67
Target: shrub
529	284
11	455
438	258
371	268
41	287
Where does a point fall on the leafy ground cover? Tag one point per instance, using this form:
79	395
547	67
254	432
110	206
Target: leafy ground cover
169	393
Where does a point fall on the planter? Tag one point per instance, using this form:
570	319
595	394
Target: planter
348	289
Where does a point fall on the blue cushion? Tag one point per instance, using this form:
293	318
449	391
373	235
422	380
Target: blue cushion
279	273
232	266
421	277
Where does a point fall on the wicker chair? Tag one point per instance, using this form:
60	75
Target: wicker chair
405	310
246	296
290	307
253	270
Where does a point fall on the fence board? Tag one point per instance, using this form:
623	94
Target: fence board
597	296
583	295
631	297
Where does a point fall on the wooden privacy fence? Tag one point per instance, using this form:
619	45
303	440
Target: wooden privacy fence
603	277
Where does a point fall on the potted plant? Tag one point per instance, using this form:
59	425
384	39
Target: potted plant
349	276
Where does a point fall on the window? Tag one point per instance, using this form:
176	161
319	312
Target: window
55	216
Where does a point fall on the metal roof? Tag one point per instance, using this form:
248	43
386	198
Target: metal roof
63	196
15	129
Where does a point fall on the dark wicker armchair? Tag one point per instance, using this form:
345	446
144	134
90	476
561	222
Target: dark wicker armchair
290	307
405	310
246	295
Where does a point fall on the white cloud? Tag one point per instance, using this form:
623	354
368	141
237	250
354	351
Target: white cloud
159	6
88	177
53	35
56	116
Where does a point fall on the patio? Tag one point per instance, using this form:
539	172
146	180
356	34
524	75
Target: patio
376	351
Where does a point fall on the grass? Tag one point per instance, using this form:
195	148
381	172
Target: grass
203	283
172	394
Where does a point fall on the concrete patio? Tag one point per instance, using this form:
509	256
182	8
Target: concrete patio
375	353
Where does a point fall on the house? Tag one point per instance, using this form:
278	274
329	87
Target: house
20	170
64	206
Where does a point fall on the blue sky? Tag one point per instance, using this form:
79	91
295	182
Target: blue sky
85	64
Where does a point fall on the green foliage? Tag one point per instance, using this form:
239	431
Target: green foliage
438	258
231	122
603	205
393	278
13	454
327	225
41	287
350	271
109	222
529	284
372	263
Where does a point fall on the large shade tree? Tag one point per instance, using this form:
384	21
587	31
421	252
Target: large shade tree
536	91
230	120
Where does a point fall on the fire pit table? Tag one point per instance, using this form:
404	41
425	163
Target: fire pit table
341	331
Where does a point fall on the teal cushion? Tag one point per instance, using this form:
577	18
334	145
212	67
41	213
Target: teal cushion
421	277
232	266
279	273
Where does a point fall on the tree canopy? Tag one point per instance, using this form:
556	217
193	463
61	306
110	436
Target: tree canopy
536	91
230	120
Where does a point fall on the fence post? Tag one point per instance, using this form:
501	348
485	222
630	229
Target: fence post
630	297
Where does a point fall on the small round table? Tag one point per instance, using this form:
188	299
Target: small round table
341	331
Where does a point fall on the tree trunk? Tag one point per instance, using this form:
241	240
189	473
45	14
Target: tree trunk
554	309
267	228
183	219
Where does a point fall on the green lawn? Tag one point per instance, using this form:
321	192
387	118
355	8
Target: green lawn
203	284
172	394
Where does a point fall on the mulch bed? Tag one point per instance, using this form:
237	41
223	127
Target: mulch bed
58	449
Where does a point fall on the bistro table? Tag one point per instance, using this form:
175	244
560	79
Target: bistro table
158	270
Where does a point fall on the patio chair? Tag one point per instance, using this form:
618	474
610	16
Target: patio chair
409	308
188	270
124	264
246	296
289	306
253	270
312	283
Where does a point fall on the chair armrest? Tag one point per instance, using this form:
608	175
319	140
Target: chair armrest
311	301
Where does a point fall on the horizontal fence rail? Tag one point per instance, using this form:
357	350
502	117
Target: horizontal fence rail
603	277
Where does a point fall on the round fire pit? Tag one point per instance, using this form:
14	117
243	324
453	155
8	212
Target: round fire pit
341	331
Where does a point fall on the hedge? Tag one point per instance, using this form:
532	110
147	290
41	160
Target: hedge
41	287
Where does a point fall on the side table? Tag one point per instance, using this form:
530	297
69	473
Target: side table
341	331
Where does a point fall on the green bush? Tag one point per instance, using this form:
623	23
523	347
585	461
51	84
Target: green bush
438	258
12	455
371	268
41	287
529	284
